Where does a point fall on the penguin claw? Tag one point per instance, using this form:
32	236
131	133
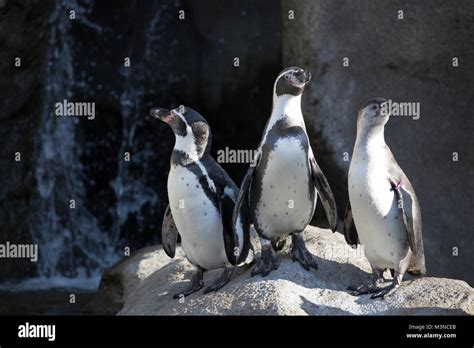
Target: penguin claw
222	281
212	288
304	257
196	285
379	294
386	292
300	253
362	290
188	292
265	266
266	263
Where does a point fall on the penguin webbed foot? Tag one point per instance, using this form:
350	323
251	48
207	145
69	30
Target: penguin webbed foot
224	278
374	287
363	289
385	292
266	263
196	285
300	253
389	290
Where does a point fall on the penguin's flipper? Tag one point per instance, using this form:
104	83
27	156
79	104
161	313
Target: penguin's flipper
324	191
404	204
236	244
230	242
350	231
411	215
169	233
241	216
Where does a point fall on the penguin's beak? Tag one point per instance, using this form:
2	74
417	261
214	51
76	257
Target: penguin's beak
163	114
304	76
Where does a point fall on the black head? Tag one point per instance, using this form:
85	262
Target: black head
291	81
192	131
372	113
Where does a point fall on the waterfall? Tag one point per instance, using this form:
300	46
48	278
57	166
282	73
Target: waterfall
78	236
70	241
74	247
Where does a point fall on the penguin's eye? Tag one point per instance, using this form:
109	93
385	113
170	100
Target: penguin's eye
375	107
286	77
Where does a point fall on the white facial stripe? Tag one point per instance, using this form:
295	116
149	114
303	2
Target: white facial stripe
180	115
187	144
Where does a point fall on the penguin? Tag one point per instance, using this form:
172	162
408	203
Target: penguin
383	213
278	192
201	202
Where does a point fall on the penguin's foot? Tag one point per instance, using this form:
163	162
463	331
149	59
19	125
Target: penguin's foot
196	285
377	279
363	289
300	253
223	280
267	261
389	290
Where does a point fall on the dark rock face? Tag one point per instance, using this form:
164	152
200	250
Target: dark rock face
173	61
403	60
20	88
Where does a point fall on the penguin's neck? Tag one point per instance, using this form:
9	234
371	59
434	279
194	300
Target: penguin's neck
186	151
370	140
288	106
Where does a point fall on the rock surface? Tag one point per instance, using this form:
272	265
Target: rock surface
22	23
145	283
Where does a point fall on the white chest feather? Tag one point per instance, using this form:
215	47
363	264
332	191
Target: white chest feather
374	208
198	221
285	205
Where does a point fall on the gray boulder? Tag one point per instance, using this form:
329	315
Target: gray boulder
145	282
407	60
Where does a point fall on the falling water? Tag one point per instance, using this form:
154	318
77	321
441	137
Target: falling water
70	241
78	239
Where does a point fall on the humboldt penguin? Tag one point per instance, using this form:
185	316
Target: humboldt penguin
383	213
201	202
278	192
